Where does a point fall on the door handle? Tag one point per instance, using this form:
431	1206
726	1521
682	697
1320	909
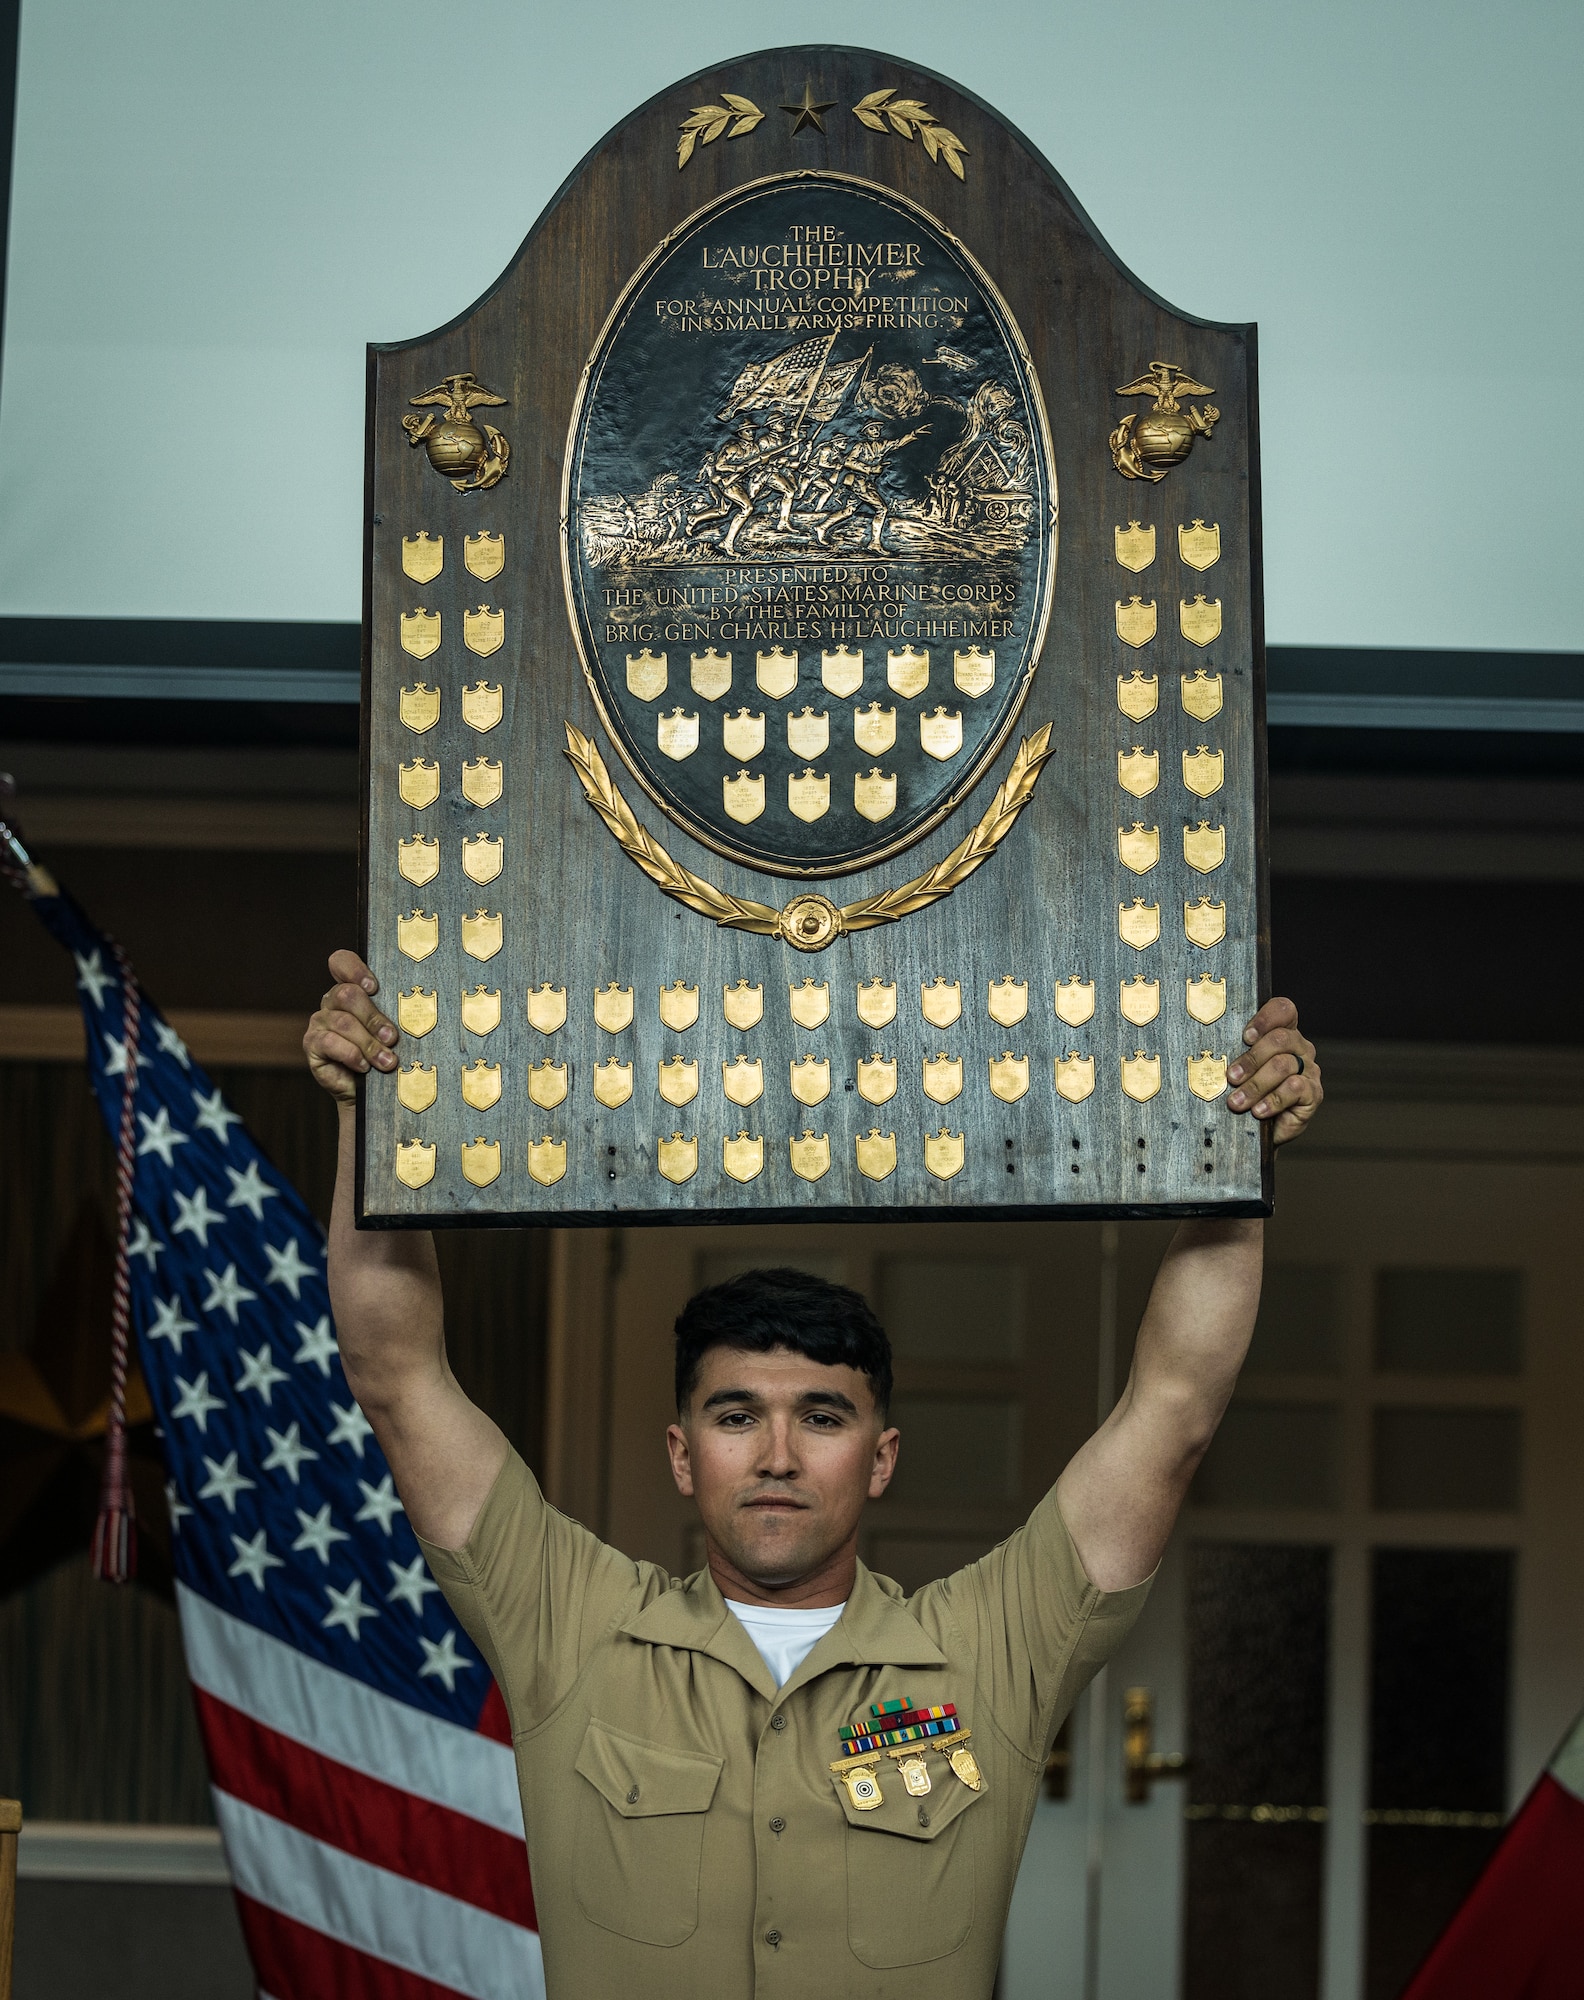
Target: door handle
1141	1765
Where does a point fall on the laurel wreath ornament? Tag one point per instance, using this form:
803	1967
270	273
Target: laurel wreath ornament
706	124
913	121
809	922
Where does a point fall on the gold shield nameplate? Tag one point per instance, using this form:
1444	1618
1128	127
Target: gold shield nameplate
1138	694
1138	923
874	794
1200	622
710	674
612	1083
742	1080
810	1156
1141	1076
874	728
742	1158
547	1008
1204	770
1199	546
1204	846
943	1078
743	735
811	1079
1007	1001
973	671
547	1161
944	1153
1135	547
1138	848
647	674
1009	1076
1136	621
417	1087
483	705
418	859
484	631
1205	999
940	734
678	735
776	672
907	672
678	1081
808	734
1204	922
481	1161
809	1004
415	1163
1075	1001
418	783
877	1002
1075	1077
420	707
423	556
484	554
842	671
1201	694
482	782
1207	1075
679	1006
877	1079
613	1007
418	934
481	857
742	1004
808	795
417	1011
420	633
481	1084
745	798
1138	771
547	1084
482	933
1139	999
877	1154
941	1002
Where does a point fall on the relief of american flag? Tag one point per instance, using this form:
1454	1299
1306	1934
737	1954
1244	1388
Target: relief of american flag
358	1749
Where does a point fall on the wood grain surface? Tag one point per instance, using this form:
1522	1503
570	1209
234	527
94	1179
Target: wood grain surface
578	914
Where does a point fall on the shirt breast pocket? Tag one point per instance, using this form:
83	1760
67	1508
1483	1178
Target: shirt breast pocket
910	1872
640	1834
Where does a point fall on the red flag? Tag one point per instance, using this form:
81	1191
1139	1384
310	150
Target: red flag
1519	1935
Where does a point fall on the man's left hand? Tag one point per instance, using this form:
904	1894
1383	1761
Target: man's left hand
1279	1078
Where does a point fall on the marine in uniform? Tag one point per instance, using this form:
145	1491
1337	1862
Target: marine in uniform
782	1777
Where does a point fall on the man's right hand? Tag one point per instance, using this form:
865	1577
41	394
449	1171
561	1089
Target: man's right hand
349	1035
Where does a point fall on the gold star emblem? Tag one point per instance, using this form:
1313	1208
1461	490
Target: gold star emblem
808	112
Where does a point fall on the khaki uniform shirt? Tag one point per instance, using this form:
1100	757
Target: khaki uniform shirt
685	1832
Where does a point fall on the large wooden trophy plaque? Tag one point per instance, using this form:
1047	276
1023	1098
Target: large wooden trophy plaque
814	692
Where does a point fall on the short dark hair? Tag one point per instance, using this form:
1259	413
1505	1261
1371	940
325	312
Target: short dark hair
760	1310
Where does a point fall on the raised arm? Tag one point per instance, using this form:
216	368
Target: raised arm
444	1452
1121	1492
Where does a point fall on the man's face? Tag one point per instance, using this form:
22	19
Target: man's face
780	1453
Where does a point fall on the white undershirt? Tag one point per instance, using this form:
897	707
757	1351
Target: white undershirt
785	1638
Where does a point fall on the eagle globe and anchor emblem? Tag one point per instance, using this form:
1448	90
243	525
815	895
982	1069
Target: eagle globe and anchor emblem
910	464
472	456
1147	446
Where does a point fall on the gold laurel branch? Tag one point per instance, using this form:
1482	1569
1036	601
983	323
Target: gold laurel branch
709	121
912	120
733	913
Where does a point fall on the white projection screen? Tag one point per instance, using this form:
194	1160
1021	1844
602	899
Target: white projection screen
214	207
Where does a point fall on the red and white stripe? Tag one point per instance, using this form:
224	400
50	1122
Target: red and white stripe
377	1852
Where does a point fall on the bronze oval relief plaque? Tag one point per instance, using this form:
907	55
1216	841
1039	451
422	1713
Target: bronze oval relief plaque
809	476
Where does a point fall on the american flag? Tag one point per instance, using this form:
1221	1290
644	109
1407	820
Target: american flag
358	1748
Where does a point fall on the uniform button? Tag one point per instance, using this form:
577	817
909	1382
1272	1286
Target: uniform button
778	1721
923	1817
778	1825
632	1796
772	1937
